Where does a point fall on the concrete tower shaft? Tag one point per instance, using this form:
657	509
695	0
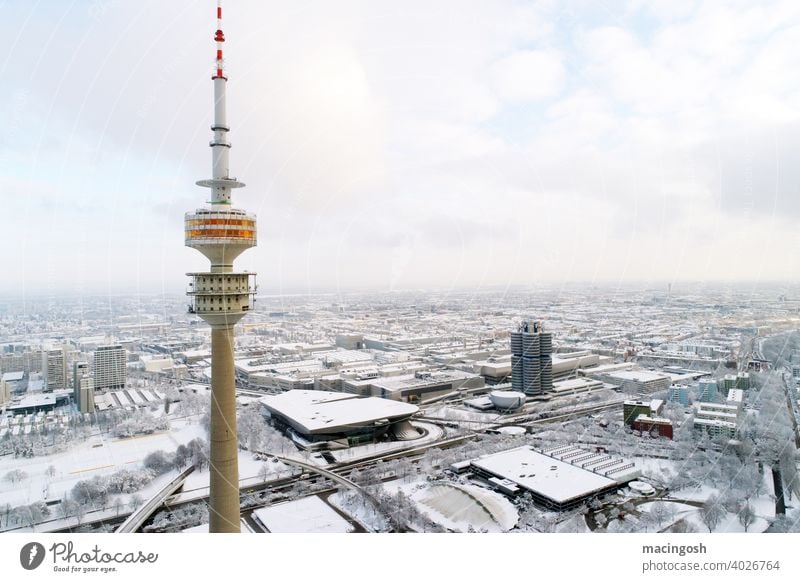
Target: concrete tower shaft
221	297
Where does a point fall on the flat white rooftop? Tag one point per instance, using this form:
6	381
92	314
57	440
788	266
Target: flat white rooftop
638	375
715	422
545	475
307	515
410	381
576	385
322	412
37	400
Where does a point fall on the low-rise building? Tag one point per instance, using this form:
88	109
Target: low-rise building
558	478
638	381
632	409
328	420
655	426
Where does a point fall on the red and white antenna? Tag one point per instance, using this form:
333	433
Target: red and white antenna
221	181
219	38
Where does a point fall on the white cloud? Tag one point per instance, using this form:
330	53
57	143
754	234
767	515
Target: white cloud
528	75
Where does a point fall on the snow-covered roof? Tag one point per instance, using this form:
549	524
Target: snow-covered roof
638	375
735	396
574	384
13	376
410	381
317	411
653	419
307	515
48	399
545	475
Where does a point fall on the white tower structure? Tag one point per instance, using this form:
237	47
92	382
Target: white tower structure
221	297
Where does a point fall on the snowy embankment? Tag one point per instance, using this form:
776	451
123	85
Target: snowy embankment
459	507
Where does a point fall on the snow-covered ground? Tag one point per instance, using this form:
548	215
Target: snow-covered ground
457	507
354	505
306	515
101	454
249	472
763	505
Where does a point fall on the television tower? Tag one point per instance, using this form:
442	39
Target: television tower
221	297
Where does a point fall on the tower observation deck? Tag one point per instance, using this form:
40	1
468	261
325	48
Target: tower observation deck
221	297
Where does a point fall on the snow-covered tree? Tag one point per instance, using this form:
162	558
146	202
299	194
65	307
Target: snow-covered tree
159	462
659	512
712	512
746	516
15	476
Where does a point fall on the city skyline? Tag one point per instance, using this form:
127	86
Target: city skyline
459	147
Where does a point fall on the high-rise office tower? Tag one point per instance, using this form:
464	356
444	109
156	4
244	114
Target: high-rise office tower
109	367
5	391
221	297
531	359
83	387
54	368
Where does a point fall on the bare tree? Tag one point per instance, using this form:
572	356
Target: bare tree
659	512
601	519
7	511
263	472
68	508
746	516
136	502
712	512
80	513
30	514
670	512
15	476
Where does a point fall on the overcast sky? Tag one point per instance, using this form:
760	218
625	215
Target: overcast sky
403	144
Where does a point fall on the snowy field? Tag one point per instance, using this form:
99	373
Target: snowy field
307	515
101	454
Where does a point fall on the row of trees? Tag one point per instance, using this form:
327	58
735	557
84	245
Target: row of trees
195	452
140	422
25	515
181	518
51	438
716	508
